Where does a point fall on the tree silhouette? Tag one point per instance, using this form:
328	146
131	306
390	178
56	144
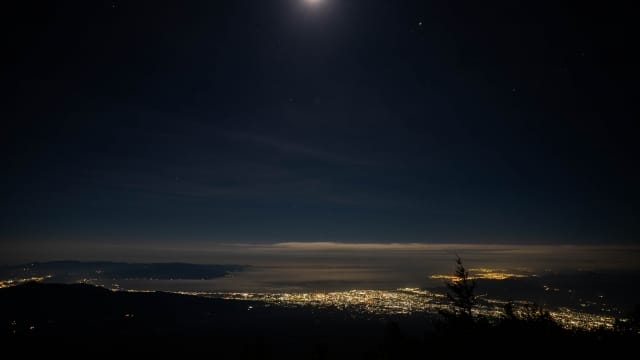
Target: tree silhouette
461	290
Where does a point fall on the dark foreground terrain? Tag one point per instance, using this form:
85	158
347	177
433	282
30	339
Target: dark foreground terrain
88	320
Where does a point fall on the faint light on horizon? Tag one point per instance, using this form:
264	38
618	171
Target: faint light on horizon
483	273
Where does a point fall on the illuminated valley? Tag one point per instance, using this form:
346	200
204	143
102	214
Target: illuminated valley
18	281
582	312
407	301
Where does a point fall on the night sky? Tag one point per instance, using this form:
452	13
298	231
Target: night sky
328	120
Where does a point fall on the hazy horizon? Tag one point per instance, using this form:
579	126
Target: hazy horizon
303	266
205	252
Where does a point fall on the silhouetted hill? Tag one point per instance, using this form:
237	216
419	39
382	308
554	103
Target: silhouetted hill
84	315
74	270
83	319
